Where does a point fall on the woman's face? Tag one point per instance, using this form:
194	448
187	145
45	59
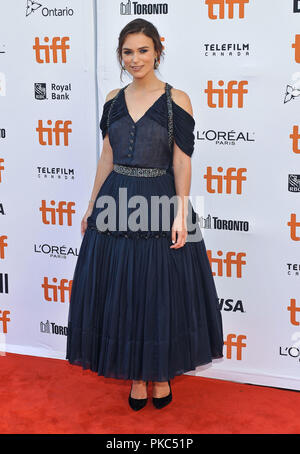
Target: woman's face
138	54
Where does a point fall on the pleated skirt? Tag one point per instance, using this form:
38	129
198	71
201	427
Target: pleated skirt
138	309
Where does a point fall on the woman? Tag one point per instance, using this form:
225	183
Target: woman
143	305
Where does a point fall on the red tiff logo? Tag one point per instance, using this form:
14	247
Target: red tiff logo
233	88
220	4
293	309
231	175
64	209
46	133
51	50
57	291
295	136
232	259
238	344
294	224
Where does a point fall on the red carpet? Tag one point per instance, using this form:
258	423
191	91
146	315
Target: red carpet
50	396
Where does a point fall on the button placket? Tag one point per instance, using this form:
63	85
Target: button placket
131	141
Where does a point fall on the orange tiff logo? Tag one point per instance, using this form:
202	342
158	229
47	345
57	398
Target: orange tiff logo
64	208
232	174
296	46
220	93
293	224
221	8
1	168
49	52
3	245
238	344
61	128
295	139
4	319
232	258
57	292
293	309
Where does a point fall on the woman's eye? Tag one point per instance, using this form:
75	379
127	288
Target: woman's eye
126	52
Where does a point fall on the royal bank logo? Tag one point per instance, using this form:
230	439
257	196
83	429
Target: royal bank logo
294	183
32	7
131	8
59	92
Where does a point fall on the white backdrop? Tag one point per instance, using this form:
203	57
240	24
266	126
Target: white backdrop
252	235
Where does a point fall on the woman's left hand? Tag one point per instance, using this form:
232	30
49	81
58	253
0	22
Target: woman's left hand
179	227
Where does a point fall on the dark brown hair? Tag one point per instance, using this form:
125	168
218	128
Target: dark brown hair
140	26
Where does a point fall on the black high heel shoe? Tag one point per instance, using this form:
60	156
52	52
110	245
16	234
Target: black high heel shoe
160	402
137	404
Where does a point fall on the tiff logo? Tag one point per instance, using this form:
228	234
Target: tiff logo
56	292
239	344
296	46
63	208
1	168
57	131
232	174
293	224
220	4
4	320
58	46
3	245
229	92
228	261
295	136
293	309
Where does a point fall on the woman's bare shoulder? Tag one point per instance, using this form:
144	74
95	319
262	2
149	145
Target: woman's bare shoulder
181	98
111	94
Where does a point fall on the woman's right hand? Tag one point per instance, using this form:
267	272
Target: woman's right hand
84	219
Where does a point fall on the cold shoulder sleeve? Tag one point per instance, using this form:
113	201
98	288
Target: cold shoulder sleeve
103	121
184	125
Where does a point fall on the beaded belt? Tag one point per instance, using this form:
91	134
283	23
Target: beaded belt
139	171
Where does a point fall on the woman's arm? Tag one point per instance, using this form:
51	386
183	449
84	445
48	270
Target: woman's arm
182	176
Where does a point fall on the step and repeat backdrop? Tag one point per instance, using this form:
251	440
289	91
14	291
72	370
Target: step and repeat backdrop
239	61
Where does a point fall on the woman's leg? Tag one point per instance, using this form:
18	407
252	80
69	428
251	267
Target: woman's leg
160	389
139	390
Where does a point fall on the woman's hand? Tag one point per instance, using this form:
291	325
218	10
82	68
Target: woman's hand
179	227
84	219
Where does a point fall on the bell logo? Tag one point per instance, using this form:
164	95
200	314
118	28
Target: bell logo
4	319
63	208
238	344
3	245
293	309
44	52
232	174
296	46
1	168
295	139
58	130
221	8
54	291
229	91
228	261
293	224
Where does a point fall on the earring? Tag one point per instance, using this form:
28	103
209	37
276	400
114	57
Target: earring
156	63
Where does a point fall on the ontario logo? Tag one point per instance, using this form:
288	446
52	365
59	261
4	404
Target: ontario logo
32	7
138	8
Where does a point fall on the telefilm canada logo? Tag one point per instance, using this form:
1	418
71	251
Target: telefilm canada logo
55	173
58	92
33	7
226	49
138	8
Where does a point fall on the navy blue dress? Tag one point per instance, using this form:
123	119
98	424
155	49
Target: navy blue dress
138	309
